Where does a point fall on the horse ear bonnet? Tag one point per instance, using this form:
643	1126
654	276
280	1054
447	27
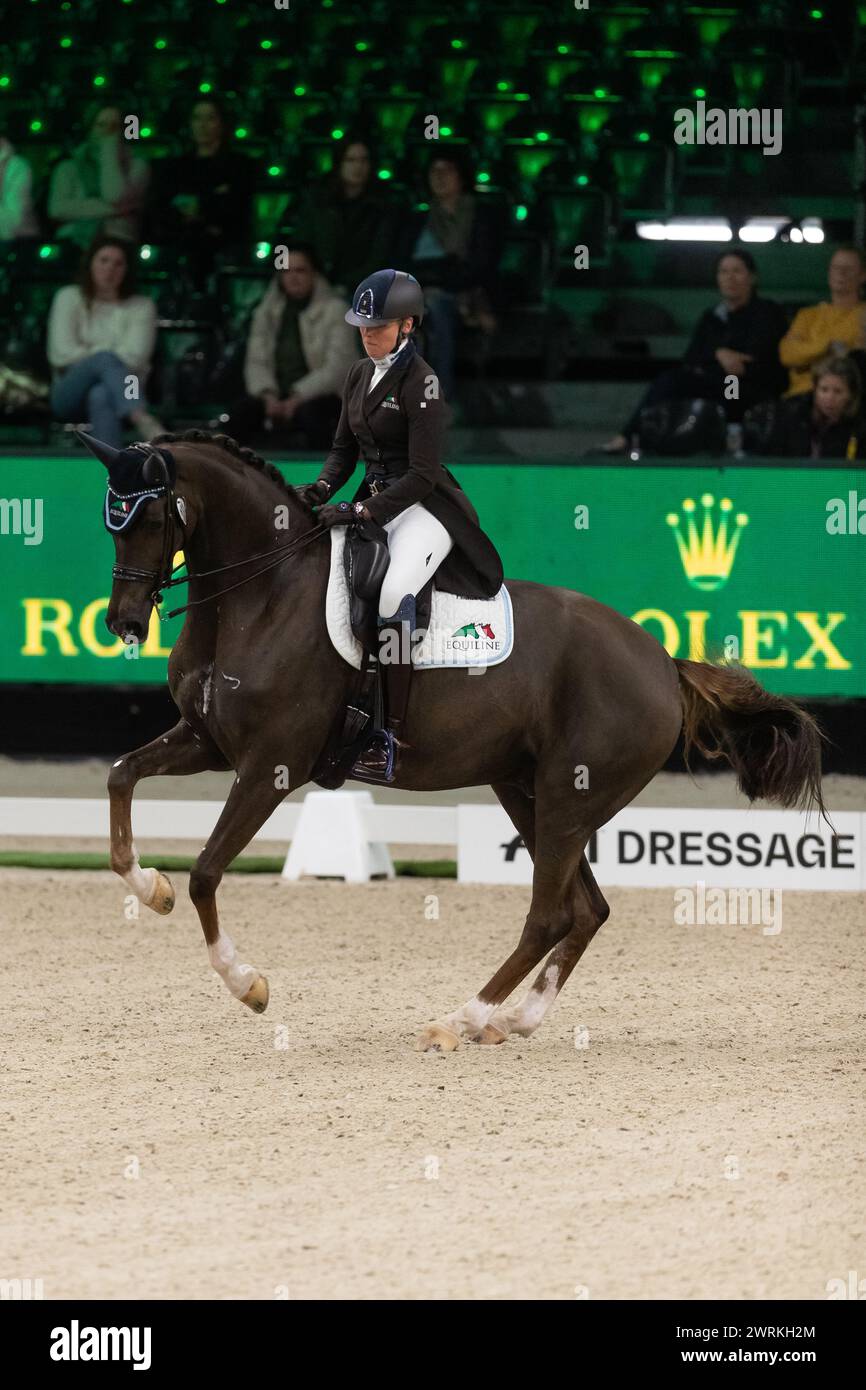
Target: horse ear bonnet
136	475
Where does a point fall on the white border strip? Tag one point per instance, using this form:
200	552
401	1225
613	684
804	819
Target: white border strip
482	834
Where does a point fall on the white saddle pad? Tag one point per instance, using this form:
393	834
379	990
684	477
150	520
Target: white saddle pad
462	631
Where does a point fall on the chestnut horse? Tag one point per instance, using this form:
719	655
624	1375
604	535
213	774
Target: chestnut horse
259	687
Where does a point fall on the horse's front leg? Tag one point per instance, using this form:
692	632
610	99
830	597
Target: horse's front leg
254	796
177	753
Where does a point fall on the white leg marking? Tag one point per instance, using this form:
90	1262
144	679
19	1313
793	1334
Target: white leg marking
237	977
524	1017
471	1018
141	881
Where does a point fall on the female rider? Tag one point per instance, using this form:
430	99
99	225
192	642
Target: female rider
393	417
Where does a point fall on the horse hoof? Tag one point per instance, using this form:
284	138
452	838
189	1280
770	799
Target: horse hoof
256	998
161	899
491	1034
437	1038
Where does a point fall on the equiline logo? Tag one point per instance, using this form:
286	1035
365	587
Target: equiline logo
474	637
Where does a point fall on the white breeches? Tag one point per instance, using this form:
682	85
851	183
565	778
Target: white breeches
417	544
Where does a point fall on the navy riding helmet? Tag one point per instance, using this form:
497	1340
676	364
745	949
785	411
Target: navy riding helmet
384	295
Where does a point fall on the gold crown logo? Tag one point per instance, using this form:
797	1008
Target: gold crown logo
707	550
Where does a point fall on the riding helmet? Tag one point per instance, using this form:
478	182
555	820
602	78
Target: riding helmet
384	295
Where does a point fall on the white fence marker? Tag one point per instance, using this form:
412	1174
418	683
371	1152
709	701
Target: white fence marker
331	840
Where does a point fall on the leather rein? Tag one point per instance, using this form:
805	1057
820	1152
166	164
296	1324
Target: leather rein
160	582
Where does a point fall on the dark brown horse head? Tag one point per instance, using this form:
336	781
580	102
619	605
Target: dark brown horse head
202	493
140	512
132	599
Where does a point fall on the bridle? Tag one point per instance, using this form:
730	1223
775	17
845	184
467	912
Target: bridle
163	577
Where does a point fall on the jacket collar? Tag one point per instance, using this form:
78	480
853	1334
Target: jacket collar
401	364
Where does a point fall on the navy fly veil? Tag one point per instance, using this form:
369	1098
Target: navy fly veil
127	489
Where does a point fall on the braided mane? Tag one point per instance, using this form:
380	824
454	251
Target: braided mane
229	446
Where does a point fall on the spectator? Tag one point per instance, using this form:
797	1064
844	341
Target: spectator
825	423
298	352
203	199
348	219
101	189
739	337
17	218
455	250
100	333
834	327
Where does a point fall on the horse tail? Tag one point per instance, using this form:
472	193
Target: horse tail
772	744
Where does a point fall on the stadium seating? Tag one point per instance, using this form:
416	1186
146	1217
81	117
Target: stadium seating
567	117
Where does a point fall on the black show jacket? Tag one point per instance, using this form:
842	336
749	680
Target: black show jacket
397	430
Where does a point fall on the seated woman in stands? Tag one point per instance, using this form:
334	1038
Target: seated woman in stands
101	337
455	246
101	188
349	218
739	338
202	200
828	329
824	423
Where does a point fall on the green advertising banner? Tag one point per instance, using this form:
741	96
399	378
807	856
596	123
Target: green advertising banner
766	565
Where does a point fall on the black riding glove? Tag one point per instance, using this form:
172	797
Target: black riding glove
314	494
342	514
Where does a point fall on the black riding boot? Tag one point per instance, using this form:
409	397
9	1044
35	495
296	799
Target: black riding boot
379	761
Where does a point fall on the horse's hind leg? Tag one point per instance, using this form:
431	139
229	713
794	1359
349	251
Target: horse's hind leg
178	753
590	912
520	806
558	853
